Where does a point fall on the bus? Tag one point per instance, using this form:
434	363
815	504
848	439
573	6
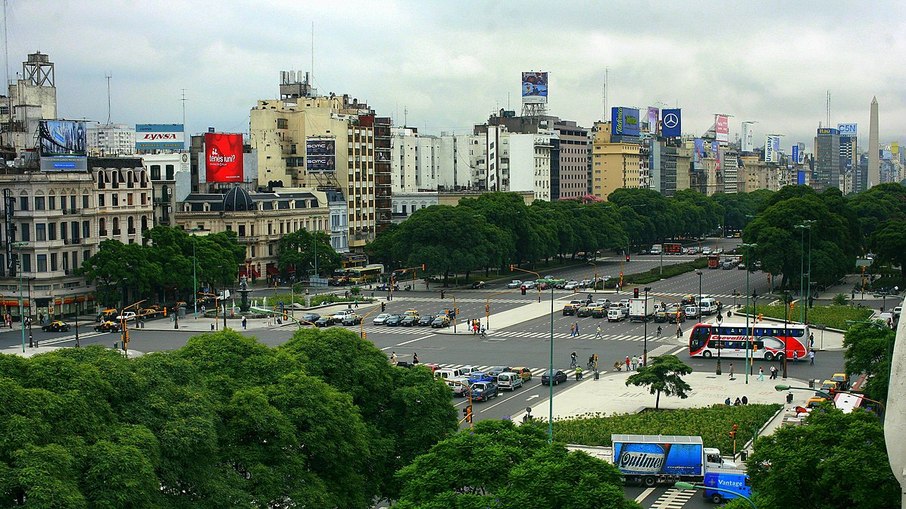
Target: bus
768	341
369	273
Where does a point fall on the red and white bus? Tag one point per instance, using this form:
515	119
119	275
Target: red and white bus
766	341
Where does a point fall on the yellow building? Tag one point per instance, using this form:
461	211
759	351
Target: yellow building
614	165
683	167
323	143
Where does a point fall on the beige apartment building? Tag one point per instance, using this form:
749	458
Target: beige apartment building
325	143
614	165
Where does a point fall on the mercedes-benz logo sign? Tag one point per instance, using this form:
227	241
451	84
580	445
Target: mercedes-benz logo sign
671	120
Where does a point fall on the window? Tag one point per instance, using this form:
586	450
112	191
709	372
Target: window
40	232
170	172
155	172
114	199
39	203
23	203
25	229
86	254
242	230
51	202
72	203
53	261
84	201
51	231
42	263
86	229
129	199
101	200
26	262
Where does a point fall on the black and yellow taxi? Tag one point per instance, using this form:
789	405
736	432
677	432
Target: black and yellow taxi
56	326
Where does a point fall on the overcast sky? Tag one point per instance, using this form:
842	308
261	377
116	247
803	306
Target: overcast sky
449	64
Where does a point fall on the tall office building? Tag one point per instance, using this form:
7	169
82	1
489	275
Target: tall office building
827	163
874	162
615	164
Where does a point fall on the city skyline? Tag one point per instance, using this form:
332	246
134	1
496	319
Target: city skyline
445	67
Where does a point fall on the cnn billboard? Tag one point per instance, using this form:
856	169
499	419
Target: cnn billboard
223	157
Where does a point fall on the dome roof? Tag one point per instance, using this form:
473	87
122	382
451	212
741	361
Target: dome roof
238	199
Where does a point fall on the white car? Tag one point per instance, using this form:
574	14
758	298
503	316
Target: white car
341	314
458	385
571	285
381	318
528	284
128	315
706	250
514	284
691	311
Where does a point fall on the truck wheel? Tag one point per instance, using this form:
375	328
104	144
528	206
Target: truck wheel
768	356
706	354
650	481
716	498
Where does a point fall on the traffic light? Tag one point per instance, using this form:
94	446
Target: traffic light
383	306
487	308
635	293
733	435
423	267
627	257
760	316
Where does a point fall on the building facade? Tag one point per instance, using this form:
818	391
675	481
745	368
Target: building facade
110	140
614	165
827	159
30	99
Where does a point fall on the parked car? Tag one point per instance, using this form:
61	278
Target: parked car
514	284
478	285
440	322
324	321
393	320
107	326
585	283
381	319
558	377
56	326
425	320
483	391
409	320
352	319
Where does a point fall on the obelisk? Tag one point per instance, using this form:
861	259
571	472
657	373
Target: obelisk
874	166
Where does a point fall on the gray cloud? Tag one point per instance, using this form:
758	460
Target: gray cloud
450	64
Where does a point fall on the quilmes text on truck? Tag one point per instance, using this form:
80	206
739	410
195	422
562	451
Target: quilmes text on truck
656	459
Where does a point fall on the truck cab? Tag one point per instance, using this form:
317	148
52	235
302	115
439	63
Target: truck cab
713	459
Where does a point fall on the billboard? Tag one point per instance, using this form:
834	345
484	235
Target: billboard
159	137
625	121
801	158
636	458
848	130
794	155
827	131
722	129
715	153
653	120
62	138
746	143
223	157
772	149
698	153
534	87
672	123
320	154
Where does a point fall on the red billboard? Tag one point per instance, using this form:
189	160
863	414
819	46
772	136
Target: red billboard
223	157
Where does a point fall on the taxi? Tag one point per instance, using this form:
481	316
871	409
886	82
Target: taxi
107	326
56	326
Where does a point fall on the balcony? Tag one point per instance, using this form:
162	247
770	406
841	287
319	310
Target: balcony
248	239
117	231
131	231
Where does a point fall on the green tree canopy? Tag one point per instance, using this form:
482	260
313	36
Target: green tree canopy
504	466
825	463
663	374
298	251
869	346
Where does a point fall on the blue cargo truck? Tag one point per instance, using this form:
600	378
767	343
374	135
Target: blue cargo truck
654	459
735	482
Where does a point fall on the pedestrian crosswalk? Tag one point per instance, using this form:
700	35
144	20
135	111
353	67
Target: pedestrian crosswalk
673	499
70	338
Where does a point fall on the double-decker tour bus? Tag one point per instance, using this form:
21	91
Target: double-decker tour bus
366	274
767	341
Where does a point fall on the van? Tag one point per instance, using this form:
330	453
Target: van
444	374
615	314
509	380
708	306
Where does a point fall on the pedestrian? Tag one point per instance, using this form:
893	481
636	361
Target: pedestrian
414	358
627	363
731	371
811	357
737	402
212	326
727	401
811	340
773	372
745	400
598	332
357	303
393	358
679	332
795	356
635	363
761	374
244	323
577	329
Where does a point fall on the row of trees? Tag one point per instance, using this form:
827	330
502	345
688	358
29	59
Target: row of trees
302	252
322	421
163	264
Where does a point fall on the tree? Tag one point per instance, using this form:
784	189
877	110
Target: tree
869	346
663	374
814	464
889	241
501	465
118	267
301	251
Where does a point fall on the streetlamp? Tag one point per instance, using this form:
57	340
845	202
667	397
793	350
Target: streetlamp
805	292
786	303
20	246
77	343
750	337
681	485
808	274
645	320
194	281
720	319
550	409
699	307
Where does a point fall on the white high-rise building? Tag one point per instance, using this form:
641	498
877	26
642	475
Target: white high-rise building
110	140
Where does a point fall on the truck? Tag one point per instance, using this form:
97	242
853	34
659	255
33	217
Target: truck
732	484
654	459
640	310
714	261
656	249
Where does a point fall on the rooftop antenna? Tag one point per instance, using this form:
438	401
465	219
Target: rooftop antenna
606	75
828	108
5	48
405	116
312	53
108	75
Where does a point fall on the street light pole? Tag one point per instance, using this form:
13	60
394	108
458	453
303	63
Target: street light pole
802	227
786	298
194	280
750	337
20	246
808	285
645	320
